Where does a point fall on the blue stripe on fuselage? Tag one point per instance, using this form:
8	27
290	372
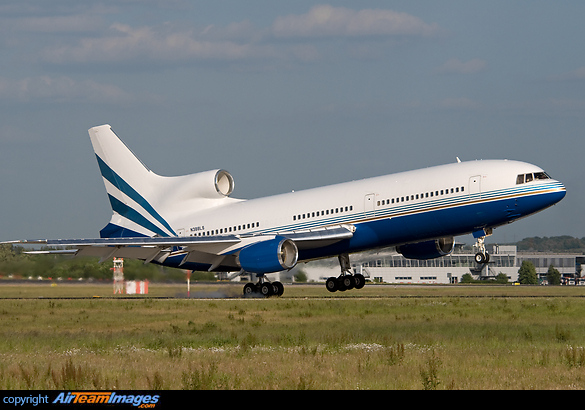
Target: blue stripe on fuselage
449	221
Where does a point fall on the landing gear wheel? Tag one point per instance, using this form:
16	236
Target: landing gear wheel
479	258
482	258
348	282
278	288
249	289
360	280
331	284
266	289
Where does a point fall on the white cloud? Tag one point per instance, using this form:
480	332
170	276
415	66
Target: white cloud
164	43
456	66
329	21
60	89
174	42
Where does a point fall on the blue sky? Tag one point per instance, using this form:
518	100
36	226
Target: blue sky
284	95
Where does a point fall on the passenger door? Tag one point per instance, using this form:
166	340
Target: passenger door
369	203
475	185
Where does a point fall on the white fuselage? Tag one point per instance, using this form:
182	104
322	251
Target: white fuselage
447	200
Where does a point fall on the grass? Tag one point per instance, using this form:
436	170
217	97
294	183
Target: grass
404	337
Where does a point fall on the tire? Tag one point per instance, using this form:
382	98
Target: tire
340	284
480	258
331	284
266	289
249	289
360	280
348	282
278	288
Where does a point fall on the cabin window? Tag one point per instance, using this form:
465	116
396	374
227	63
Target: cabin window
529	177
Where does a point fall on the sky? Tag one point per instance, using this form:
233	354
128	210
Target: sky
285	96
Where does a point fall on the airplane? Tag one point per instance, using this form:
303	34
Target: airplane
191	222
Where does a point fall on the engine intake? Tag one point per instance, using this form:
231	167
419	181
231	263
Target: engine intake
270	256
428	249
224	182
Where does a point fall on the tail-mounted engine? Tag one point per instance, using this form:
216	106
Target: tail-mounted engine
213	184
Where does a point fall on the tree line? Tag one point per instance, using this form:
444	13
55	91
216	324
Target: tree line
563	243
526	276
15	263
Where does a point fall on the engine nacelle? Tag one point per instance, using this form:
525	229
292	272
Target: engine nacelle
270	256
428	249
214	184
209	184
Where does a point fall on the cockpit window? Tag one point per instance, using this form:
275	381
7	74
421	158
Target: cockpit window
523	178
541	175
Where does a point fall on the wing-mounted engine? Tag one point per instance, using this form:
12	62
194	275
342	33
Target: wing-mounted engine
428	249
274	255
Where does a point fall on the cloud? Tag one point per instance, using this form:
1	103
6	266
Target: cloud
456	66
329	21
174	42
575	75
163	43
60	89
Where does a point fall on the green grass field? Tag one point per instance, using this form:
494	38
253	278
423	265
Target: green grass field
382	337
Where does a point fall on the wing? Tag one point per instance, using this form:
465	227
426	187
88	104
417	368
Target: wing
209	250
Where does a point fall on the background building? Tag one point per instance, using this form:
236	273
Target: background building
387	266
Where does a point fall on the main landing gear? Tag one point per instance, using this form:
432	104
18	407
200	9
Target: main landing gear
482	256
263	288
346	280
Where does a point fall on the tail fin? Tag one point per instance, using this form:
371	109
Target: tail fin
129	184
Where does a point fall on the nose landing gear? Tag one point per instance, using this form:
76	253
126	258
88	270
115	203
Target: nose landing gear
482	256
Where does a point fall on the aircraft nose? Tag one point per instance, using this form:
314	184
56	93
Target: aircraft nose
560	192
